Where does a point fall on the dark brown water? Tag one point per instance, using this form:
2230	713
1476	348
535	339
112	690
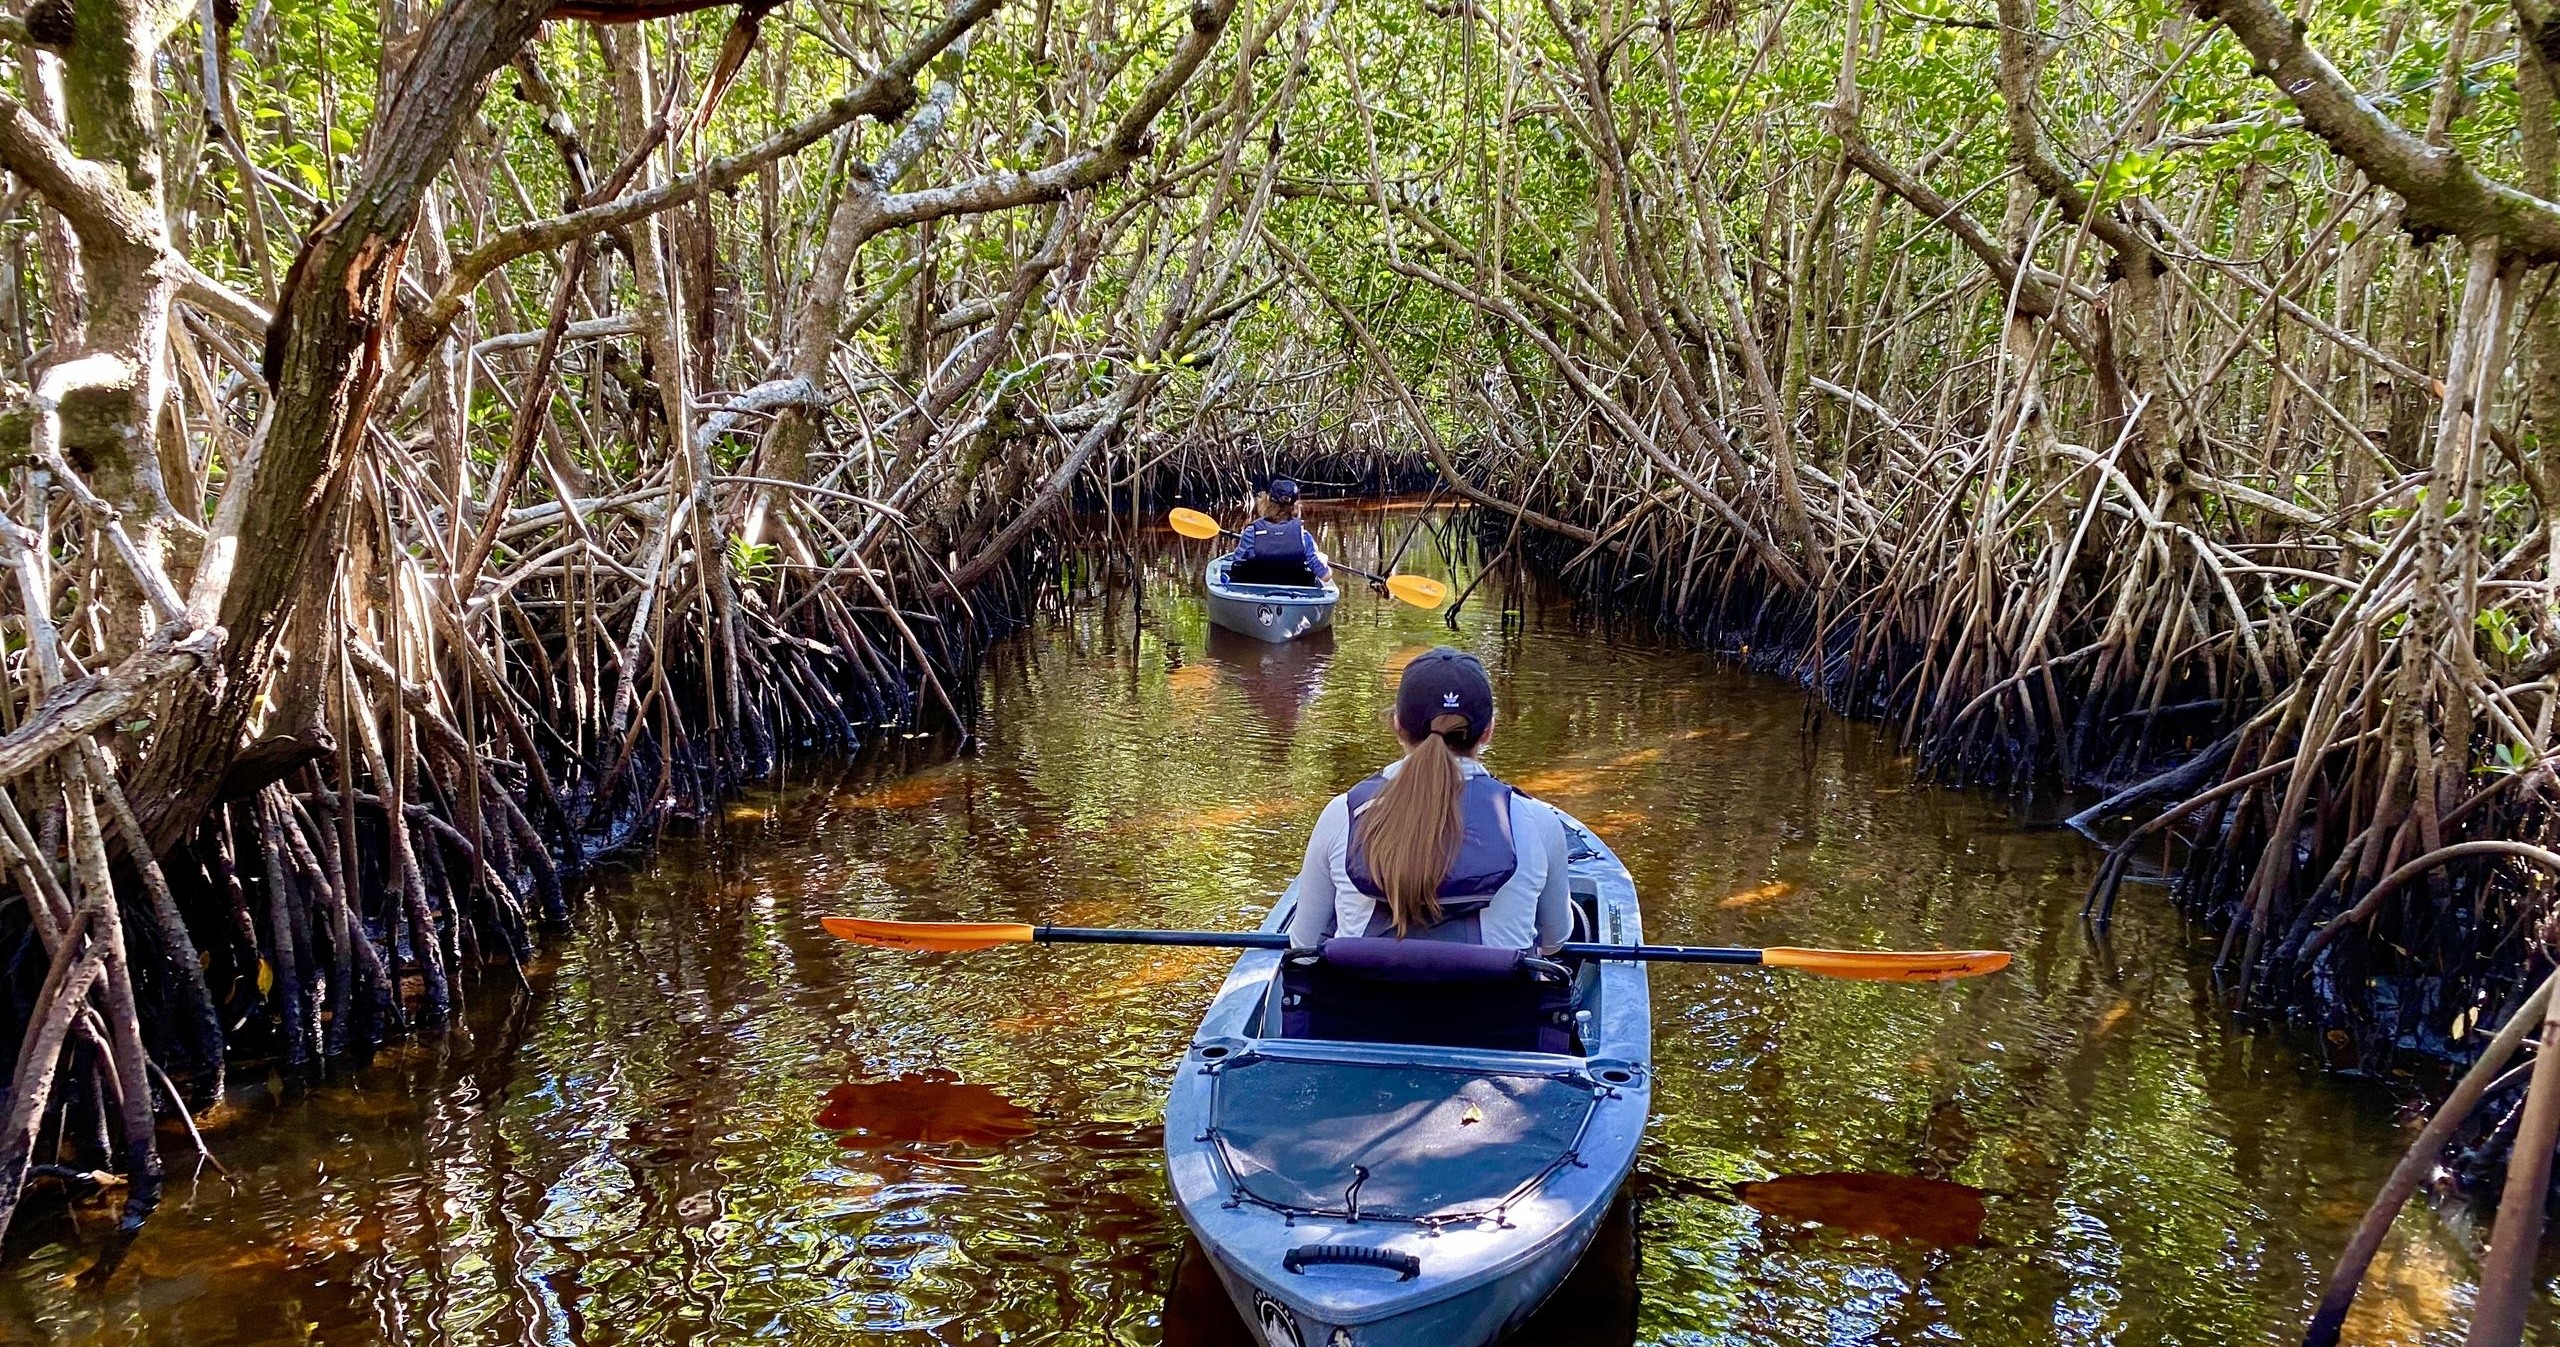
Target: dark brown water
717	1125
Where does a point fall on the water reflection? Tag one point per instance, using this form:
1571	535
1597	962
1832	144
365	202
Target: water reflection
633	1156
1278	681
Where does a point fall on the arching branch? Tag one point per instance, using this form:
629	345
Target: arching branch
2443	192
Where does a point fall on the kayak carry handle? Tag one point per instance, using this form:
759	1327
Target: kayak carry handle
1404	1265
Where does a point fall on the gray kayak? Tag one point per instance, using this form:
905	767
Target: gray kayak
1269	612
1355	1194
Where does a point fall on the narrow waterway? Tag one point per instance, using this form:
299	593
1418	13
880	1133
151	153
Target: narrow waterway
718	1125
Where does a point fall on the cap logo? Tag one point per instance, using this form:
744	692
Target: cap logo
1450	700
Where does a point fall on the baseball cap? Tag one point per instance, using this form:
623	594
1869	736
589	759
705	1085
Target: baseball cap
1284	489
1440	682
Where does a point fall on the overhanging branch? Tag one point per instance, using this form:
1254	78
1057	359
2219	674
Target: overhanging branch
2443	192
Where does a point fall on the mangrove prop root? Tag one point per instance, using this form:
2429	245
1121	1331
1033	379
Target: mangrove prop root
354	724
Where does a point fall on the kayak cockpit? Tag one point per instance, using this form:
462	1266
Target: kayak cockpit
1433	994
1311	590
1427	992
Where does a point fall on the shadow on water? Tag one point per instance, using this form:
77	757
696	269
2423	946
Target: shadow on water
1896	1207
924	1106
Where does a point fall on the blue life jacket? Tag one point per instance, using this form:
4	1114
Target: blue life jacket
1485	862
1272	540
1273	552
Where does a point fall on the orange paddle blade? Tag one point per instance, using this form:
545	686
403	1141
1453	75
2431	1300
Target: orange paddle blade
1885	965
1193	524
944	937
1419	590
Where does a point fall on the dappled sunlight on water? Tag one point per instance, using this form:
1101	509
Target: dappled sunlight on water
714	1124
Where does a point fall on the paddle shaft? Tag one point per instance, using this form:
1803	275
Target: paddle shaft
1103	935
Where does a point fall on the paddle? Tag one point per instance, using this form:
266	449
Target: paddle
955	937
1419	590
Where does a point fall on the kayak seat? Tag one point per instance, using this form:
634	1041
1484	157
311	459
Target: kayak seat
1271	571
1384	990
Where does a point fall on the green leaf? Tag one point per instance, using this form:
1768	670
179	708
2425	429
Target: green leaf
751	562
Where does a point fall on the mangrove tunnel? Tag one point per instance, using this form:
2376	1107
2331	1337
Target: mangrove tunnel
514	510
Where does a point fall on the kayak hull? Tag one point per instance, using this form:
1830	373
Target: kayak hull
1450	1246
1273	613
1460	1320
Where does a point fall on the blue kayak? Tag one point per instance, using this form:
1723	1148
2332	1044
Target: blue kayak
1272	613
1355	1193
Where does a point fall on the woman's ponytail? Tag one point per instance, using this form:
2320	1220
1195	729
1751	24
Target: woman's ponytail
1412	830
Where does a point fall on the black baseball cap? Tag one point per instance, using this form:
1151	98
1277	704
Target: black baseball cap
1284	489
1440	682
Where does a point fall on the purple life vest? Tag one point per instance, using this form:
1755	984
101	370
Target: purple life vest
1485	861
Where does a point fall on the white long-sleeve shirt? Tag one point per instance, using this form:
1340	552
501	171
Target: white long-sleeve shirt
1532	910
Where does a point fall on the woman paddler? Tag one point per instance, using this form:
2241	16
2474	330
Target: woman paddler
1276	549
1434	847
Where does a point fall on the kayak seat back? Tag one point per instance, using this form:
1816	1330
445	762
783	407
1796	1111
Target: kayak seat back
1384	990
1287	572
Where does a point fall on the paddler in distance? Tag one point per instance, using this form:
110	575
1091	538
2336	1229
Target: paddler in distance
1276	549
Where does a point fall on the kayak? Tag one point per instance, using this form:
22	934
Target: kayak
1269	612
1357	1193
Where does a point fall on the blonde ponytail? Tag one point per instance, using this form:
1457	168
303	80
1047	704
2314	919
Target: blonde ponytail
1412	830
